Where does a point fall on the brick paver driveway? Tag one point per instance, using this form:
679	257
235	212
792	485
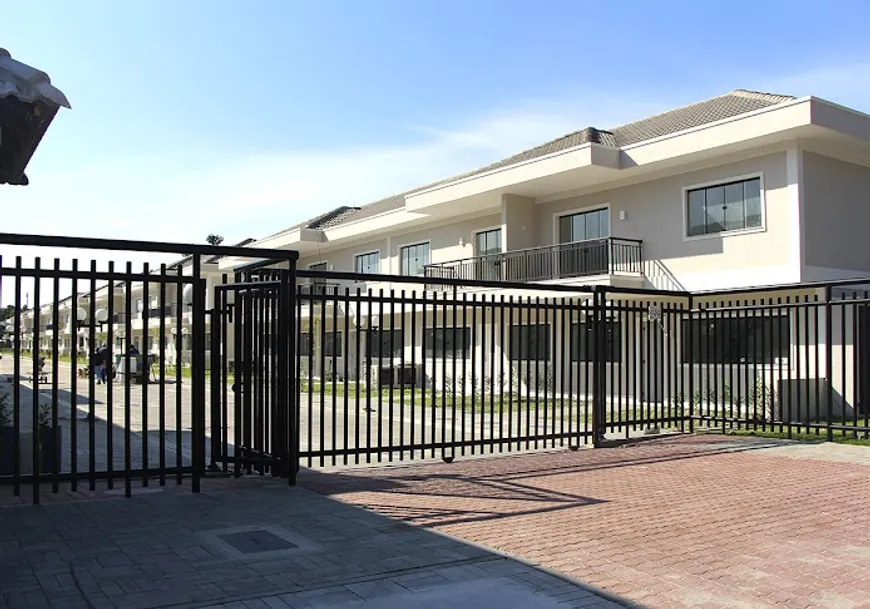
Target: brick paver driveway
702	521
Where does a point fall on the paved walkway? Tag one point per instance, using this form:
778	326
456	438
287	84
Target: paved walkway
253	543
703	521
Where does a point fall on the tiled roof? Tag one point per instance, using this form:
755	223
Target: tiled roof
731	104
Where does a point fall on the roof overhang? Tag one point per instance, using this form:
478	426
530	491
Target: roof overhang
560	170
28	105
594	164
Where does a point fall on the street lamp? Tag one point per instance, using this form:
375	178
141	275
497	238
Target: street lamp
101	316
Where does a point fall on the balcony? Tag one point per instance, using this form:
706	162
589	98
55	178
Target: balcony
563	261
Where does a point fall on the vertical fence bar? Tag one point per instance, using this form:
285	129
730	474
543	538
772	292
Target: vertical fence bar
346	352
37	310
92	372
506	346
413	405
216	378
73	379
162	372
179	365
360	370
287	313
689	357
52	427
145	372
391	388
225	313
829	365
402	377
597	405
16	382
197	369
128	364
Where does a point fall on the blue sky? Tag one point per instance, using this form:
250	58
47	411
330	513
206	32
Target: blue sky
242	118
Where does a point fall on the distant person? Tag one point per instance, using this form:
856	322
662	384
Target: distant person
104	356
133	350
99	364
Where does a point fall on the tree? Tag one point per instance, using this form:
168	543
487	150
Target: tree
7	312
214	239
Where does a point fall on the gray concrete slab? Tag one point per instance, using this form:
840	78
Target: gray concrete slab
165	549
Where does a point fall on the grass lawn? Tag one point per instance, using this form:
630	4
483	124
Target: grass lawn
814	435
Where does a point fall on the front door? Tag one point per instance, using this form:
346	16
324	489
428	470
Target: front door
583	248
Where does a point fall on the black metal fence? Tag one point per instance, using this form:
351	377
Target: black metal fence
372	368
434	372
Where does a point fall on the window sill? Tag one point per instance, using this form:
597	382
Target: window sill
723	234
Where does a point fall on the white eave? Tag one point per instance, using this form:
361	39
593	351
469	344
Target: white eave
589	164
27	84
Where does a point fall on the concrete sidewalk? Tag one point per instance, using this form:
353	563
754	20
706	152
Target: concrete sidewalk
253	543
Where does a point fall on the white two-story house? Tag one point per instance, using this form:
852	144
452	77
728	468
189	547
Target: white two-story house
740	191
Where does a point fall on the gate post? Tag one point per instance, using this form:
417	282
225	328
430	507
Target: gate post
286	403
197	369
689	358
216	369
598	370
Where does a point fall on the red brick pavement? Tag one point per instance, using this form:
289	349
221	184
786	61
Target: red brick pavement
679	522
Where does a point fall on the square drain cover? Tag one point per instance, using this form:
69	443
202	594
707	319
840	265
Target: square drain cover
254	542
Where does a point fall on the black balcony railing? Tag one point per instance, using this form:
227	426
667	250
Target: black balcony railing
317	288
562	261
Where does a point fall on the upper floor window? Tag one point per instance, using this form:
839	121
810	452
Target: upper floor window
585	226
414	258
723	208
368	263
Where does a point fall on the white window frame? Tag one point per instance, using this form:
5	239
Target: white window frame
684	203
367	253
581	210
426	242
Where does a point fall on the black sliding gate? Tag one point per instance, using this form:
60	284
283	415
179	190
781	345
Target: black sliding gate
105	363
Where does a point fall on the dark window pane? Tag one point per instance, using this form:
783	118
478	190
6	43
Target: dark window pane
566	234
752	196
332	344
735	218
530	343
715	212
593	229
736	340
368	263
414	258
697	224
728	207
604	223
584	226
583	347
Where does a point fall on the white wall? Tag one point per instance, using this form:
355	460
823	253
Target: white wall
654	213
